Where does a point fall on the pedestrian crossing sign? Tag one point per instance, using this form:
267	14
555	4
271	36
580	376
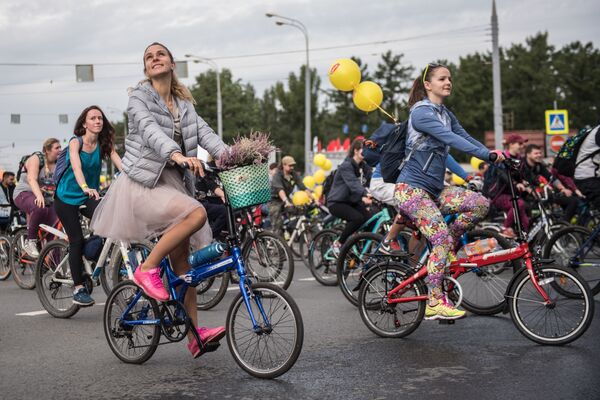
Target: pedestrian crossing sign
557	122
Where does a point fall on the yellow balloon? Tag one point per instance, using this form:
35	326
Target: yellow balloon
457	180
367	96
300	198
319	159
308	181
327	165
344	74
318	192
319	176
475	162
102	179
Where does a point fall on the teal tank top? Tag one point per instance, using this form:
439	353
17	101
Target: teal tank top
68	190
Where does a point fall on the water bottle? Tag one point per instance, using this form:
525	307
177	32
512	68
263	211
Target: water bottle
481	246
206	254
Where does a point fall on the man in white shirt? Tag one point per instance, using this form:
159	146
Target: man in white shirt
587	172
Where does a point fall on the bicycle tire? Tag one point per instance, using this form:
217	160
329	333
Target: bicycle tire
115	271
377	283
124	293
238	330
563	246
56	297
21	265
323	269
207	297
524	300
273	260
350	263
5	271
484	289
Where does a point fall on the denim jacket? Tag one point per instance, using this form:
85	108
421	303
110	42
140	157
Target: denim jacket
432	131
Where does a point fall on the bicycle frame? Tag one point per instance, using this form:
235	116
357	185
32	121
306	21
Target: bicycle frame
197	274
584	249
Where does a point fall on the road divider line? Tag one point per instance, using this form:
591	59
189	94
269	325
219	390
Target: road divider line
42	312
306	280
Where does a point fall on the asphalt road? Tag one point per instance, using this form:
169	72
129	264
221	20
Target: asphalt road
477	358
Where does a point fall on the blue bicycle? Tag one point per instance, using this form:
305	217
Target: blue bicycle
264	325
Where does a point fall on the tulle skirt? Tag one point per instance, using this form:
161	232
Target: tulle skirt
130	211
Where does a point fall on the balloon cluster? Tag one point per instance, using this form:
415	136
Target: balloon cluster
345	75
314	181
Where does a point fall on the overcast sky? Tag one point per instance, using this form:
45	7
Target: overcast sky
112	35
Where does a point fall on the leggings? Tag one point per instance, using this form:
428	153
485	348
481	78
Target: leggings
427	215
354	214
45	215
504	202
69	217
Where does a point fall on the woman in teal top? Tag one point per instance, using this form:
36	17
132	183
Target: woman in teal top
79	186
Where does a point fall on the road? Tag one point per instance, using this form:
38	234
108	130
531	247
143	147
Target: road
477	358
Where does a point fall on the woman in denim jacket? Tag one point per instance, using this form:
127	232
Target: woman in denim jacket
420	194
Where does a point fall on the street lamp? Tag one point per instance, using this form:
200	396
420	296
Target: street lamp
299	25
213	64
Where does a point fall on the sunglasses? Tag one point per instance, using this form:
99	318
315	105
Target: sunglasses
432	66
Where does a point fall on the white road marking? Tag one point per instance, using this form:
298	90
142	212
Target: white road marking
42	312
306	280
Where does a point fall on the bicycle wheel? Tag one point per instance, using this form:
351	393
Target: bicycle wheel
53	264
564	247
390	320
563	320
21	265
484	288
116	272
321	260
269	259
273	348
133	344
210	292
4	258
353	262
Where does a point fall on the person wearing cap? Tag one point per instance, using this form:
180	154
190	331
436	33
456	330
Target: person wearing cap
282	185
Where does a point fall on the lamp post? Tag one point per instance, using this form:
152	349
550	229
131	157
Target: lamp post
213	64
300	26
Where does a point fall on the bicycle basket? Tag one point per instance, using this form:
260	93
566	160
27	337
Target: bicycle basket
247	186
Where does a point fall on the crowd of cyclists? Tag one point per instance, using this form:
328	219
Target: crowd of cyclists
164	192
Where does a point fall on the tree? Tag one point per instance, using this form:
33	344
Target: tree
395	80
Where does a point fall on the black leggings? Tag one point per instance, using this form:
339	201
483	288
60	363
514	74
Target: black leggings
568	204
69	217
217	217
354	214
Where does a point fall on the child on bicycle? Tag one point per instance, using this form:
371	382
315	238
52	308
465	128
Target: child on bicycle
79	186
35	190
154	195
420	193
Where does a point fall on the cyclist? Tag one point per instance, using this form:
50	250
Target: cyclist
155	195
282	186
77	191
420	193
348	196
6	198
587	170
35	190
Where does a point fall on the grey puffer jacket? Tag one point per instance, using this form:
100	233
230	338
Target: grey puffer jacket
150	143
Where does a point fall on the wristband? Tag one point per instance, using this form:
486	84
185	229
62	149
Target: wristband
84	186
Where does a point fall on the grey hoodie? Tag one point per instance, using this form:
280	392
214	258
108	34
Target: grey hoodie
150	143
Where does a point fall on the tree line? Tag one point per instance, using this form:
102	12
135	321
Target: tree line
534	75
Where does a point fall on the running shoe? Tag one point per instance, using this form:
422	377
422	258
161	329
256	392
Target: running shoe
83	298
208	336
443	311
30	247
151	283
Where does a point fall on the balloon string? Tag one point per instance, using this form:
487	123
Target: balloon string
378	106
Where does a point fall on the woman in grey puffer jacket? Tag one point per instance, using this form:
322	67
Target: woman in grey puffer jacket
153	196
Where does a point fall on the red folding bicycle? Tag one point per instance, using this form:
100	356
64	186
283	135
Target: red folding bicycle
548	303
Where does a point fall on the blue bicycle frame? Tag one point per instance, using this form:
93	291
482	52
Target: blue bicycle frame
584	249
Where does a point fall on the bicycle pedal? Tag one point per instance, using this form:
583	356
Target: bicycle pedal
446	321
209	347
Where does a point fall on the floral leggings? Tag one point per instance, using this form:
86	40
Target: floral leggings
427	215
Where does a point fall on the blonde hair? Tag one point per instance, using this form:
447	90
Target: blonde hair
178	89
48	143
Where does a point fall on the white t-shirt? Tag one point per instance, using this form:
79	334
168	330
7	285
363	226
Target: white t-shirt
590	168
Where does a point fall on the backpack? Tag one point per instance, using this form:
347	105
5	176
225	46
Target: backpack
566	159
328	184
23	169
394	154
376	144
61	163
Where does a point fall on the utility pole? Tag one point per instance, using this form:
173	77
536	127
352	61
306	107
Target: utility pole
498	129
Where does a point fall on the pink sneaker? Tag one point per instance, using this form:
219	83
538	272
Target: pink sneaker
151	283
207	335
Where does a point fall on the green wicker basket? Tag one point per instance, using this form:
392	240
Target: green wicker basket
247	186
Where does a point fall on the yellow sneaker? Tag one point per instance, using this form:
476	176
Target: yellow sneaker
443	311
